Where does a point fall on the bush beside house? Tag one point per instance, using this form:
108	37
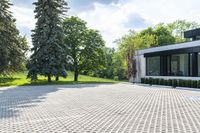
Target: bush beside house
172	82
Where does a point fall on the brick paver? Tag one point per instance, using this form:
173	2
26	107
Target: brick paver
119	108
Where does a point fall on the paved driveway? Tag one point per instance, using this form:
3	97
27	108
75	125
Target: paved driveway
120	108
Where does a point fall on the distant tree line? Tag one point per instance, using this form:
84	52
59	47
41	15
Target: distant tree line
62	44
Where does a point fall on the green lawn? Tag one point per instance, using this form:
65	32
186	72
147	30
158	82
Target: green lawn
19	79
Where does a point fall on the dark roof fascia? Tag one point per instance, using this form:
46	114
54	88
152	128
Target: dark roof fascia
174	51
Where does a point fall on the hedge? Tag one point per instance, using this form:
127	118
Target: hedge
172	82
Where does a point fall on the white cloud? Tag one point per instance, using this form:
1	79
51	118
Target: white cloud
110	20
168	10
25	16
25	20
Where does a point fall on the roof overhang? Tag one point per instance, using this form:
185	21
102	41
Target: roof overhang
187	47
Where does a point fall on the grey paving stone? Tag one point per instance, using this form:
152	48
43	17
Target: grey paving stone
119	108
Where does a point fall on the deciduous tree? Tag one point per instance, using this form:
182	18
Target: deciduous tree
85	45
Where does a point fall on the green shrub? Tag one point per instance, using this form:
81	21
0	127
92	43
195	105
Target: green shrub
181	83
187	83
194	84
166	82
174	83
146	81
116	78
161	82
150	81
198	84
142	80
156	81
169	82
153	81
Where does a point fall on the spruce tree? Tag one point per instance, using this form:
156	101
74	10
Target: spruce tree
12	46
48	58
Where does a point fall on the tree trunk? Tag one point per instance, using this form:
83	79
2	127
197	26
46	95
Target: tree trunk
76	71
49	78
76	75
130	64
57	78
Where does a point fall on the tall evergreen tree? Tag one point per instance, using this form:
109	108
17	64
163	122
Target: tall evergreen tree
48	58
12	46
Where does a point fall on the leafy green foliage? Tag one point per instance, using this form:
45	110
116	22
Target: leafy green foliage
156	36
119	66
84	46
178	27
107	69
49	51
13	47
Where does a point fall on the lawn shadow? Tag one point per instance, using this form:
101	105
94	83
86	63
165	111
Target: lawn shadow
6	80
44	82
13	100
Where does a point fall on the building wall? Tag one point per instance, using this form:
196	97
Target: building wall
141	61
141	68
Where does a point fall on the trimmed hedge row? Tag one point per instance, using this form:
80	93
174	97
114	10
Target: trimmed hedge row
172	82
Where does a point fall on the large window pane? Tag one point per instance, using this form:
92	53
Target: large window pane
179	65
168	65
191	65
199	64
153	66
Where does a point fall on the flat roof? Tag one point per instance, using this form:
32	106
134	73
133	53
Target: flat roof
169	47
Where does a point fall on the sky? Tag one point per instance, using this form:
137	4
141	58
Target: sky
114	18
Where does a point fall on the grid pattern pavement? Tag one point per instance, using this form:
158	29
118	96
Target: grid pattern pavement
119	108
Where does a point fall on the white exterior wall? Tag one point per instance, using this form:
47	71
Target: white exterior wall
141	61
140	68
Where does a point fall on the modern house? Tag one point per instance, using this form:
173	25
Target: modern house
177	61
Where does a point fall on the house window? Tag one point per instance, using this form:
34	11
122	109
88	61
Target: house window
198	64
179	65
191	65
153	66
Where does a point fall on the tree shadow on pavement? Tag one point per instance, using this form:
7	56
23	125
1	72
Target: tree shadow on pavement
14	99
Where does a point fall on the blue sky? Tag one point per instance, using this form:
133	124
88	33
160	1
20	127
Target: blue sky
114	18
